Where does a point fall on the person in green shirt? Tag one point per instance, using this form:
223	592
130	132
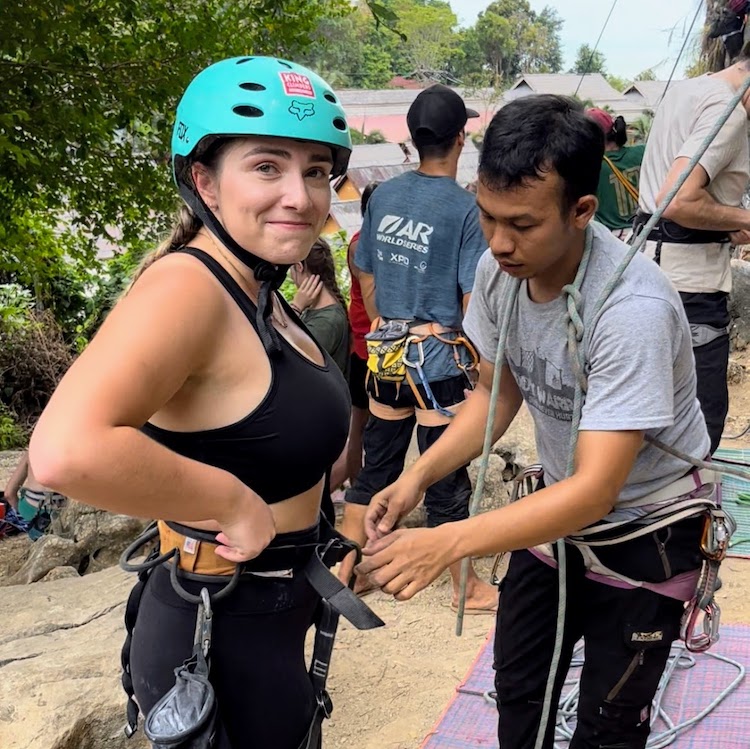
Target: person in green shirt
620	175
320	303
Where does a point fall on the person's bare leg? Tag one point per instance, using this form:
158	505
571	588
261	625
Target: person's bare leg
353	528
480	595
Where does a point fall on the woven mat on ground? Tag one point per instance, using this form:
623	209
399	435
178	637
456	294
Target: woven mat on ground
470	721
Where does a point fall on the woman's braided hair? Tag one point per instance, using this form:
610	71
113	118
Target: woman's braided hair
320	263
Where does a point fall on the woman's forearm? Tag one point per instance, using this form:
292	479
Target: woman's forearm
122	470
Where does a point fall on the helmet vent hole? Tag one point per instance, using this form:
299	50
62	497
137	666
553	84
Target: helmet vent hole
244	60
339	123
329	97
284	63
243	110
253	86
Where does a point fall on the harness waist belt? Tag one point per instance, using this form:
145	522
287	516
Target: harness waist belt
669	232
198	552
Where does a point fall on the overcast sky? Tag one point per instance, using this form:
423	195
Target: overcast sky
641	33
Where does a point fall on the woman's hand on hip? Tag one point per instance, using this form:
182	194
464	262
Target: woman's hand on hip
247	531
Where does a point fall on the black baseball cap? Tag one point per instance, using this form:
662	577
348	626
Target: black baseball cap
438	113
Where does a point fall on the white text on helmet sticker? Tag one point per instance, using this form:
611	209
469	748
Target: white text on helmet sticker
296	84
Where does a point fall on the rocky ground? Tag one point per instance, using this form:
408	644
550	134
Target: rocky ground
59	645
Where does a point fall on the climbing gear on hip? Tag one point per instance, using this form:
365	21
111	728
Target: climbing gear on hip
185	717
185	551
390	356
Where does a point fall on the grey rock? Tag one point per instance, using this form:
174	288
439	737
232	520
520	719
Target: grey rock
739	304
59	656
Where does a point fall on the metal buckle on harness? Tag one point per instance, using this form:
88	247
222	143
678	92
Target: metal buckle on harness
523	485
325	703
718	528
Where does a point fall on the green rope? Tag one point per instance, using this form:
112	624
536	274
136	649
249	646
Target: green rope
507	308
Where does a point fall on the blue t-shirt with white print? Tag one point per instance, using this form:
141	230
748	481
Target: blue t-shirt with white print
421	240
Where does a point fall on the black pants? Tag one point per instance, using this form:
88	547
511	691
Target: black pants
711	360
627	635
386	442
258	669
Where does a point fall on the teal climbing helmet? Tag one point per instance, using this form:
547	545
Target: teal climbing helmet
259	96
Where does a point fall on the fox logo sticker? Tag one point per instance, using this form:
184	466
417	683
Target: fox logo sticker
302	109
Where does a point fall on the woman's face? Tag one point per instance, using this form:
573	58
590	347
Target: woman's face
271	194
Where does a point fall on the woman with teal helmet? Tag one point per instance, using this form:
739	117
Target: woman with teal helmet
222	418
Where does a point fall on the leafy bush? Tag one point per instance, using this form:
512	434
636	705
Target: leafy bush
12	435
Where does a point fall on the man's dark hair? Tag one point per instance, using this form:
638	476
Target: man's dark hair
538	134
428	148
366	193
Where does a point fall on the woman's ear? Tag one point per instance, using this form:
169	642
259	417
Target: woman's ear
206	185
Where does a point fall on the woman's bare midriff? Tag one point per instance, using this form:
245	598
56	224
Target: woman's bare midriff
293	514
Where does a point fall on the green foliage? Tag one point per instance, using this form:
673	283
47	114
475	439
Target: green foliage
360	138
339	248
646	75
514	39
617	83
89	91
12	435
589	61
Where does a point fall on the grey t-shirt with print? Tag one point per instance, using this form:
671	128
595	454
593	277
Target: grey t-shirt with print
641	371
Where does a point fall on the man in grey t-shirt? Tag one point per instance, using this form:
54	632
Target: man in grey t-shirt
538	176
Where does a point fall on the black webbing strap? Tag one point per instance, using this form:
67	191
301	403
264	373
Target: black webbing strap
131	614
340	597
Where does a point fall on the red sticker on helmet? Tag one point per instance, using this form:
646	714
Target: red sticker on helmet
296	84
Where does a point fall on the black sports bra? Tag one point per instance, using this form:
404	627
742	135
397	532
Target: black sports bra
288	443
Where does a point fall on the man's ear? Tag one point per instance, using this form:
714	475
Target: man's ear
584	210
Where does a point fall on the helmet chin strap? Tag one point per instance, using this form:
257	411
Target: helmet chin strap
269	275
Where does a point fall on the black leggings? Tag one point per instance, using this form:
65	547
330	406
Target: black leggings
257	656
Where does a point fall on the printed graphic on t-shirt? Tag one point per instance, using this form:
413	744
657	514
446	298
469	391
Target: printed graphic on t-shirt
542	385
405	234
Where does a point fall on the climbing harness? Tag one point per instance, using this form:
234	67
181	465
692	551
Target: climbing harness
395	347
665	231
313	560
578	361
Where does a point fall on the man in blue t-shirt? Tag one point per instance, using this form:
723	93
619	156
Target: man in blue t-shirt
418	251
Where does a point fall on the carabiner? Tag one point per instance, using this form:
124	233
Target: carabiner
413	340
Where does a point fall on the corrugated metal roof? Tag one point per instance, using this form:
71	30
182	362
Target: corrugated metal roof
390	101
348	215
650	92
594	86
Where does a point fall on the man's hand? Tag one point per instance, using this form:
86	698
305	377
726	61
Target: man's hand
390	505
407	561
